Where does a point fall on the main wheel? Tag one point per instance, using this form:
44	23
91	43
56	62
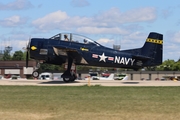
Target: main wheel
74	78
67	79
70	79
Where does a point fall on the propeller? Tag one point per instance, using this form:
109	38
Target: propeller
27	53
27	57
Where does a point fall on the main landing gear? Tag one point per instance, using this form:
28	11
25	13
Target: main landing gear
68	75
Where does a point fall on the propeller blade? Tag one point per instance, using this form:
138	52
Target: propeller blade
27	57
27	52
28	45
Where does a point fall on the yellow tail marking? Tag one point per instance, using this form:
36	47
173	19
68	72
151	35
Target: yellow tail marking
156	41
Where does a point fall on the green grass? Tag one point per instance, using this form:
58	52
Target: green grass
89	103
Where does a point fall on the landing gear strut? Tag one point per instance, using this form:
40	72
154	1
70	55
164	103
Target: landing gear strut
69	76
35	73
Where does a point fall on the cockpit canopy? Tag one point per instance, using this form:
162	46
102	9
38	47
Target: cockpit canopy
74	38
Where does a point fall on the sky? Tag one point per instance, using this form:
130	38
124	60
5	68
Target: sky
109	22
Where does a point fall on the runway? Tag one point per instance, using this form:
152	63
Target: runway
89	83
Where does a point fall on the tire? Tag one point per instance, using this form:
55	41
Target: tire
74	78
70	78
35	74
66	80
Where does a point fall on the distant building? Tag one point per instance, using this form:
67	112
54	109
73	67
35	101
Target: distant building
17	68
153	75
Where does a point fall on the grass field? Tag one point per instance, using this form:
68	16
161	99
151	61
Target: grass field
89	103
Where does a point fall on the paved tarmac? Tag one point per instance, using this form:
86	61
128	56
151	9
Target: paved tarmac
89	82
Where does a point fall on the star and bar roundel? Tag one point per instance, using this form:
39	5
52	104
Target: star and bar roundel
117	59
103	57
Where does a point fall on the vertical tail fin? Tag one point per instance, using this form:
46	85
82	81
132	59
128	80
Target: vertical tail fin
152	52
153	48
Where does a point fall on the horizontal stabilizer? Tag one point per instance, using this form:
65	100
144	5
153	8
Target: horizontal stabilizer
141	57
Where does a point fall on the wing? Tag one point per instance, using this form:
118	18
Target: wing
62	51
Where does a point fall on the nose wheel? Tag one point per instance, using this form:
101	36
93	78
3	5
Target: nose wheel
35	74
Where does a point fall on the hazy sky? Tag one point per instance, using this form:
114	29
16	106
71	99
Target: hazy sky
124	22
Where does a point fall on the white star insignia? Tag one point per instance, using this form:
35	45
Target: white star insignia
102	57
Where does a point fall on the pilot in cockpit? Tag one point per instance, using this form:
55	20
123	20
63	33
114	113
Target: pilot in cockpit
85	41
66	38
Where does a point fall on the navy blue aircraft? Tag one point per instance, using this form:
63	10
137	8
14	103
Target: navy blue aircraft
79	50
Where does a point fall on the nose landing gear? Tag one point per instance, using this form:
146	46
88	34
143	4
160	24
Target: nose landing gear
35	73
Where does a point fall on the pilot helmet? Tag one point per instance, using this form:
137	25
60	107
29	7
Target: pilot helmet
65	36
85	41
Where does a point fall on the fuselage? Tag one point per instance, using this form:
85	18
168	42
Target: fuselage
57	52
71	48
84	51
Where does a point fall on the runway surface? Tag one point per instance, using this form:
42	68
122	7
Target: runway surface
89	82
